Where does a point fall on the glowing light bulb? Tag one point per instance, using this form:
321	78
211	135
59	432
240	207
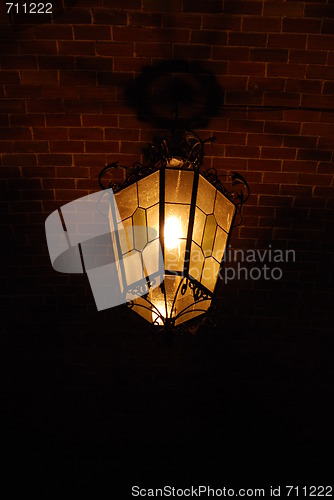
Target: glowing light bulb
160	306
173	232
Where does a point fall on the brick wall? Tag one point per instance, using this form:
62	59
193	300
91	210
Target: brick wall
63	116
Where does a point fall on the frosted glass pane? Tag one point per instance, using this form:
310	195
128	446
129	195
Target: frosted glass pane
224	211
209	235
199	223
196	262
174	257
139	227
176	223
179	185
126	235
210	273
127	201
153	222
219	244
148	190
205	195
133	268
151	257
192	312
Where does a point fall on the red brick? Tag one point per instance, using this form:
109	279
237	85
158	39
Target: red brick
9	47
232	97
320	129
188	21
19	159
59	92
282	127
230	53
318	102
19	62
269	55
144	19
4	121
315	179
92	33
123	49
56	62
70	194
313	154
163	50
318	10
281	99
99	121
47	133
127	4
283	40
212	6
76	77
223	23
247	39
162	6
292	70
307	56
264	140
257	24
254	232
320	42
85	134
324	191
303	86
63	120
326	143
283	9
325	168
23	91
66	147
108	16
39	77
209	37
192	51
320	73
301	25
76	48
102	147
27	120
94	64
9	77
301	116
53	32
259	188
31	146
245	126
243	151
327	26
297	141
128	64
242	7
76	107
116	134
75	16
246	68
328	88
44	106
280	177
278	153
36	47
299	166
273	84
15	133
276	201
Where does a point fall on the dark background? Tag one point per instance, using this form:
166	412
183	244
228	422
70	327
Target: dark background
93	399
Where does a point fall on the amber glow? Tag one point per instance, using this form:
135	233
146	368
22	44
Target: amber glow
173	232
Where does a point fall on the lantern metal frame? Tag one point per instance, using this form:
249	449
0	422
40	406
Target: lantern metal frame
188	149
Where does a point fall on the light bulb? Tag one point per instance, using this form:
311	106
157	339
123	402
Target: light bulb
173	232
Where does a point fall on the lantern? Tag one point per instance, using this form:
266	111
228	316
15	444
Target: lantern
189	213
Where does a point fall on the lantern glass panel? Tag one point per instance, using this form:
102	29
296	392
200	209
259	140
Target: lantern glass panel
209	235
224	211
199	223
219	244
148	190
210	273
205	195
127	201
179	184
153	222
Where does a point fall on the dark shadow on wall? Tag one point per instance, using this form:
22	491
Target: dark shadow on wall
174	91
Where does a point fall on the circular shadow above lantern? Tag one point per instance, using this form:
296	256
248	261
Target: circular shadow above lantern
175	91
